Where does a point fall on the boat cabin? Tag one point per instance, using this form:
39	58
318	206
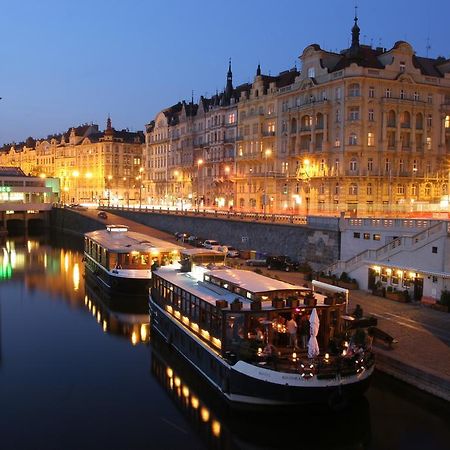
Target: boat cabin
118	248
239	312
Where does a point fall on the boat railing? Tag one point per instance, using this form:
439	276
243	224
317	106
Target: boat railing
322	367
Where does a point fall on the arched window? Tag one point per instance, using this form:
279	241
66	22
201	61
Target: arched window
419	121
428	190
352	139
405	119
391	119
294	125
353	90
353	189
414	190
353	165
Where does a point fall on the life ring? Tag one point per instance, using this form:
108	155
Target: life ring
307	371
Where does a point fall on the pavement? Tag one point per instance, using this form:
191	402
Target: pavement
421	355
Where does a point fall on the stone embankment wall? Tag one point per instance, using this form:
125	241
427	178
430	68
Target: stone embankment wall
72	222
317	243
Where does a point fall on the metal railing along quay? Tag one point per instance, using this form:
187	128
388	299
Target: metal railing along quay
213	213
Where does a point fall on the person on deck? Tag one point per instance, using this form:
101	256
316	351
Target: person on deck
291	326
358	312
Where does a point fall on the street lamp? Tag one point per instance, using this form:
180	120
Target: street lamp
76	174
199	163
267	155
306	163
109	178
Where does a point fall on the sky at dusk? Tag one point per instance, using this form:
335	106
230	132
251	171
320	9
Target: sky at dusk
64	63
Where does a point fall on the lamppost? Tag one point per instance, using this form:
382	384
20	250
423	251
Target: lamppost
308	189
267	154
76	174
109	178
199	163
141	171
227	185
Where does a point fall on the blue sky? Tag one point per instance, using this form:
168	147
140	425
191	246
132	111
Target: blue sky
66	63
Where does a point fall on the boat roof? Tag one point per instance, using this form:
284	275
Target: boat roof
254	282
211	293
127	241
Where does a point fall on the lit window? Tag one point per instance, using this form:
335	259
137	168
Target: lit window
353	189
377	237
370	139
232	118
447	122
428	142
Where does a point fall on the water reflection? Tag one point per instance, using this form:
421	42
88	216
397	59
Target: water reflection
118	314
58	272
222	427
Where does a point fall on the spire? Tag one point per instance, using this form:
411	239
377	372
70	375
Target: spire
355	30
109	129
229	87
258	70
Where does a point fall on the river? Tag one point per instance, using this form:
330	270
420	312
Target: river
80	371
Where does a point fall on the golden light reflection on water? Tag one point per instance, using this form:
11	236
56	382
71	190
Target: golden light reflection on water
76	277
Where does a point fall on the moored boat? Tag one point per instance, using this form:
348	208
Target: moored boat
121	260
233	327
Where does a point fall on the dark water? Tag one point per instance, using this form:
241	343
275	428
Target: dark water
78	370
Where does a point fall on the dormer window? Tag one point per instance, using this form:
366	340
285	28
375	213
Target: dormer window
311	72
402	66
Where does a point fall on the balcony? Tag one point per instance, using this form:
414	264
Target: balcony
268	133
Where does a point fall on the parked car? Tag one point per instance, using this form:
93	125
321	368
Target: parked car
180	236
211	244
102	215
232	252
282	262
256	262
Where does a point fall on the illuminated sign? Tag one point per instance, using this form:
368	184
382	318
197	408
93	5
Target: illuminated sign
5	189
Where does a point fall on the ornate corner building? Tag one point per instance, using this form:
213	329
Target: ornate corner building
364	130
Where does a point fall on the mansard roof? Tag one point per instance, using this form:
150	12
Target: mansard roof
11	172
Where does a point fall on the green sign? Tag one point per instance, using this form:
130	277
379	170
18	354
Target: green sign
5	189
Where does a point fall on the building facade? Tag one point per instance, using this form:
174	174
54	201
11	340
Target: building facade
101	167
